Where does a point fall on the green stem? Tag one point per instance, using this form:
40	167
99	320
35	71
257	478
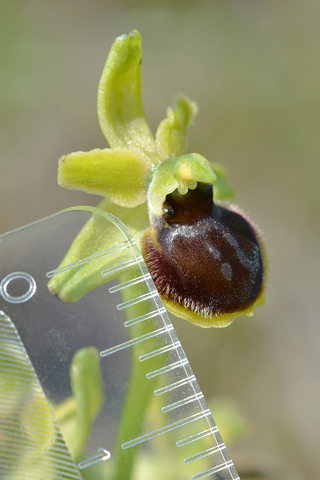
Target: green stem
139	392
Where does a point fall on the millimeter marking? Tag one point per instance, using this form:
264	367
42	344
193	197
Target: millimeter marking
161	350
129	283
134	301
168	428
147	316
198	436
129	343
121	266
168	368
90	258
212	471
172	386
205	453
182	402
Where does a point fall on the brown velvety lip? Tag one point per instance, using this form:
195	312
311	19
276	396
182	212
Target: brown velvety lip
204	257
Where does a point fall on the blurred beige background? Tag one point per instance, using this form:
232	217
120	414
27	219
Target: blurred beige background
254	69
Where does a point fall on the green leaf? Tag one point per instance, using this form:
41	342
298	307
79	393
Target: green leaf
118	174
179	173
120	108
171	137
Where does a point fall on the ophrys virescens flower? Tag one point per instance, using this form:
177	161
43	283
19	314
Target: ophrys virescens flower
206	259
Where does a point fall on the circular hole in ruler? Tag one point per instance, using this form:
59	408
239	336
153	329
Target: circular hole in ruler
18	287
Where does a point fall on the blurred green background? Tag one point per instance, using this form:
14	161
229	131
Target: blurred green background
254	69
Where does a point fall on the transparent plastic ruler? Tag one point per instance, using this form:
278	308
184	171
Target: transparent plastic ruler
134	410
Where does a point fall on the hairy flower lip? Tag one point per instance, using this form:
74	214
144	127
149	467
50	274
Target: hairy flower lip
208	266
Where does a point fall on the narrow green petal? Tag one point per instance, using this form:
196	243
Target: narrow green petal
120	108
179	173
118	174
171	137
221	187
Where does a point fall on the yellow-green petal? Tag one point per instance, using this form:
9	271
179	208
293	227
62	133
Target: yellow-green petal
171	136
118	174
180	173
120	108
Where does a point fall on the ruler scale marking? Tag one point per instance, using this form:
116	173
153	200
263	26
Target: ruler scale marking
213	470
56	449
129	283
67	466
166	429
173	386
134	341
90	258
182	402
168	368
159	351
134	301
197	436
205	453
122	266
145	317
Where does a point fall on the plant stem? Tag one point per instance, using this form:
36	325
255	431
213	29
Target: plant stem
139	392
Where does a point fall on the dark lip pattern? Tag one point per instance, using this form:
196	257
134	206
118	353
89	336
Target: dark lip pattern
204	257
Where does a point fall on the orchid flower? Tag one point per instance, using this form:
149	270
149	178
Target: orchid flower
207	259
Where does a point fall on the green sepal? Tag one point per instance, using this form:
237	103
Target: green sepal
70	284
179	173
118	174
120	108
171	136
